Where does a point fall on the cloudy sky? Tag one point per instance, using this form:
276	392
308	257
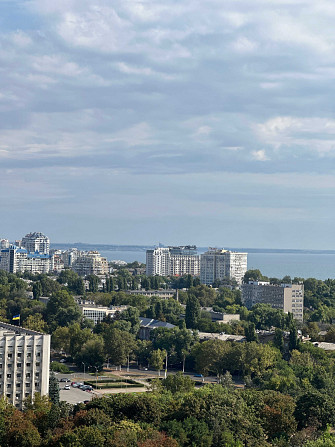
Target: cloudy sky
184	121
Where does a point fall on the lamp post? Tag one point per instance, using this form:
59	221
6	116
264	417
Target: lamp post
128	364
166	361
84	368
96	377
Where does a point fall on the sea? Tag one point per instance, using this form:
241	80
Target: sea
275	263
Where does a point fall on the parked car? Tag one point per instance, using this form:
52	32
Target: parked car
67	387
64	379
62	361
75	384
198	375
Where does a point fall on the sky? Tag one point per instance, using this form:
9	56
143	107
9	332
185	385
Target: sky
136	122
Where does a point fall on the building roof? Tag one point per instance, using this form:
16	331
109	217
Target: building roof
223	337
18	330
153	324
325	346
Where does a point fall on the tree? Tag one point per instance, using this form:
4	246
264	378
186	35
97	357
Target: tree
156	359
118	345
293	339
92	353
37	290
178	383
94	282
62	310
254	275
36	323
60	339
192	313
53	389
278	339
250	333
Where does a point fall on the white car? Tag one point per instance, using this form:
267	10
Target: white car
67	387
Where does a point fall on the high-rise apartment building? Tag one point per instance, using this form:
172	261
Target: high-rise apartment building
222	264
90	263
288	297
36	242
177	261
24	363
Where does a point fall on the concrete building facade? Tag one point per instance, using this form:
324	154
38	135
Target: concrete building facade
288	297
222	264
24	363
176	261
90	263
36	242
14	259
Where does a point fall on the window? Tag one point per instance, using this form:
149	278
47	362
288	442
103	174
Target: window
28	364
27	375
28	354
27	385
9	365
9	396
37	363
9	385
37	374
38	354
19	354
18	375
9	376
18	385
10	356
19	365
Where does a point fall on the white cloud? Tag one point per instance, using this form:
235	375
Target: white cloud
260	155
316	134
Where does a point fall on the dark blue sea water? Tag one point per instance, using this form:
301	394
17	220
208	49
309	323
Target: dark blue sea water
304	265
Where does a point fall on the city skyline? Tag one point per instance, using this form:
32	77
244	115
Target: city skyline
137	122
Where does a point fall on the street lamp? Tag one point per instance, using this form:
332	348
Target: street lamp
96	377
84	368
166	360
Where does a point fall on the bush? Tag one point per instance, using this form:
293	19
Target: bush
60	367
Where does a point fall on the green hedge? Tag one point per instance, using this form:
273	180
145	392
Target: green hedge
60	367
118	385
105	383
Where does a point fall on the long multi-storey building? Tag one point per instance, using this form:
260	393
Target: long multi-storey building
288	297
14	259
24	363
222	264
177	261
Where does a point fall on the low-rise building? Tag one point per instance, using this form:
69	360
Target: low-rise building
221	317
163	293
148	324
97	313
